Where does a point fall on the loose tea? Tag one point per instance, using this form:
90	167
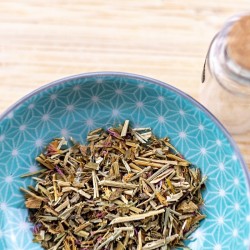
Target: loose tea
126	189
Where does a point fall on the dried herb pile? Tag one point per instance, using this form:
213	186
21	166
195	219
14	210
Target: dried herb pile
126	189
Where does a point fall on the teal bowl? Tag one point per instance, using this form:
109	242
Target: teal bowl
75	105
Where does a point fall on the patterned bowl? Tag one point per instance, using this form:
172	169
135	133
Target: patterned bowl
75	105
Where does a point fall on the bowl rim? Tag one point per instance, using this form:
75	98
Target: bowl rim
142	78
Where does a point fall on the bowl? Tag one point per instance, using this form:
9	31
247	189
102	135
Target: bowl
72	106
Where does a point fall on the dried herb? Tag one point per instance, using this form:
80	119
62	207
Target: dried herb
126	189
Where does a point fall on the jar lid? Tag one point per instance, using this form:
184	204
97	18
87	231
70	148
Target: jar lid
238	46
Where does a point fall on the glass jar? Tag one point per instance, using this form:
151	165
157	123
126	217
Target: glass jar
225	90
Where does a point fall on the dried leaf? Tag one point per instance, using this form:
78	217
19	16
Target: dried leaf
126	189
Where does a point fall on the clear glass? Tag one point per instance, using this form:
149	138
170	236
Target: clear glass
226	87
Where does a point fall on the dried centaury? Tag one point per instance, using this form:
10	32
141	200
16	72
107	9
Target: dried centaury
126	189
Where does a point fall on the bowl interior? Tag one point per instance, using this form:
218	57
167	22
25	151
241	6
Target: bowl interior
71	107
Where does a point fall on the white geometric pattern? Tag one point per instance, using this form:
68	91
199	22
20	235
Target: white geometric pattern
73	107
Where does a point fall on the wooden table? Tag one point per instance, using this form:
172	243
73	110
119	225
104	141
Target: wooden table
41	41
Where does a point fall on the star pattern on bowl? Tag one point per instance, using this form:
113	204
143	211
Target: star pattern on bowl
73	107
